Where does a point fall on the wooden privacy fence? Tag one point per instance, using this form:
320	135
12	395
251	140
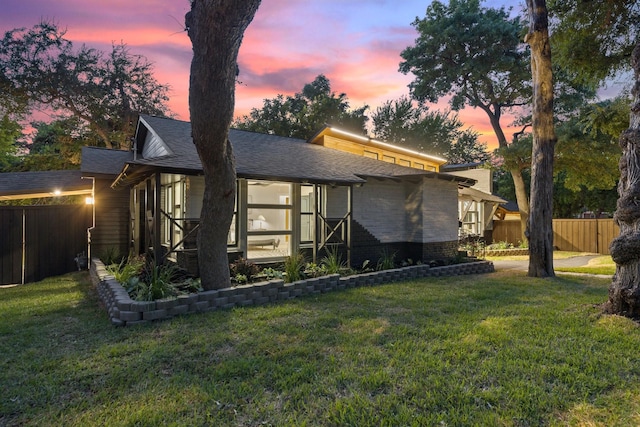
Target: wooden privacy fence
41	241
576	235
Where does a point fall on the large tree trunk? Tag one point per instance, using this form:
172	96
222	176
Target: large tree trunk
516	174
544	139
216	28
624	291
522	200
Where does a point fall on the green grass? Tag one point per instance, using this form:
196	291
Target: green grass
602	265
498	350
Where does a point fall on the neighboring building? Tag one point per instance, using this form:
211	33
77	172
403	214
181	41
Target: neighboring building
477	205
508	212
293	195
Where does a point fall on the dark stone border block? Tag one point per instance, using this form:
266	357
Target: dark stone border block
123	311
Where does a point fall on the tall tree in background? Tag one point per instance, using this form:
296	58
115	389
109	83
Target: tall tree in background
40	69
544	139
624	291
593	40
475	55
305	113
54	146
216	29
434	132
10	131
587	151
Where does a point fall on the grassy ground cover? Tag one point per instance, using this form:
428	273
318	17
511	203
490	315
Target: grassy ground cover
497	349
602	265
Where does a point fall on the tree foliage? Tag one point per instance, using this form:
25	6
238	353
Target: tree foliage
54	146
304	113
588	150
474	56
41	69
403	122
593	40
10	131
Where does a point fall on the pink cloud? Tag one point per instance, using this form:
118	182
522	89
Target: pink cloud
356	44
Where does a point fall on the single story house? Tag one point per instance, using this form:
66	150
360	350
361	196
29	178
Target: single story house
335	190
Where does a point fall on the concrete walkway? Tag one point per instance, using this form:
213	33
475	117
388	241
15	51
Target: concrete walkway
523	265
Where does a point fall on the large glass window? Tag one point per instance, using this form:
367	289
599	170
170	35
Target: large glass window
269	206
307	217
471	221
172	219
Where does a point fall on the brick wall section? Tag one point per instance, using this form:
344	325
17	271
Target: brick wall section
123	311
439	251
440	210
506	252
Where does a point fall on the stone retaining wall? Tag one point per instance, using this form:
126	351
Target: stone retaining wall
125	311
506	252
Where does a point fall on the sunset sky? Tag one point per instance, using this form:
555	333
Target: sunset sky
355	43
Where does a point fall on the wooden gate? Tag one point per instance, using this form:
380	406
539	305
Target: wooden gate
37	242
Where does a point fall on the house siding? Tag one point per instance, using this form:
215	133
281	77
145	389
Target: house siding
153	147
112	229
379	206
440	207
416	221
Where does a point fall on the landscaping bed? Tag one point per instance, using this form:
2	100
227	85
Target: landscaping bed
125	311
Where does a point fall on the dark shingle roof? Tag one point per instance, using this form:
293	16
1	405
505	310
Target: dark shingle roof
102	161
14	185
272	157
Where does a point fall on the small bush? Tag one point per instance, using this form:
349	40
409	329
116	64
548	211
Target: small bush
111	256
271	273
500	245
314	270
332	262
244	268
387	260
126	269
155	282
293	266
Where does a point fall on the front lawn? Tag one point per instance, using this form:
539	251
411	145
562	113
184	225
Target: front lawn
494	349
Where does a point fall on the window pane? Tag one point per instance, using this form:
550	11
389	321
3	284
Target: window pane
231	237
268	193
268	246
264	219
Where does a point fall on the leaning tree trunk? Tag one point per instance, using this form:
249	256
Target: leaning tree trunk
624	291
544	139
516	174
216	28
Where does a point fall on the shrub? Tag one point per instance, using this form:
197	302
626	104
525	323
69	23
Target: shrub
332	262
244	268
126	269
500	245
293	266
155	282
387	260
111	256
314	270
271	273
